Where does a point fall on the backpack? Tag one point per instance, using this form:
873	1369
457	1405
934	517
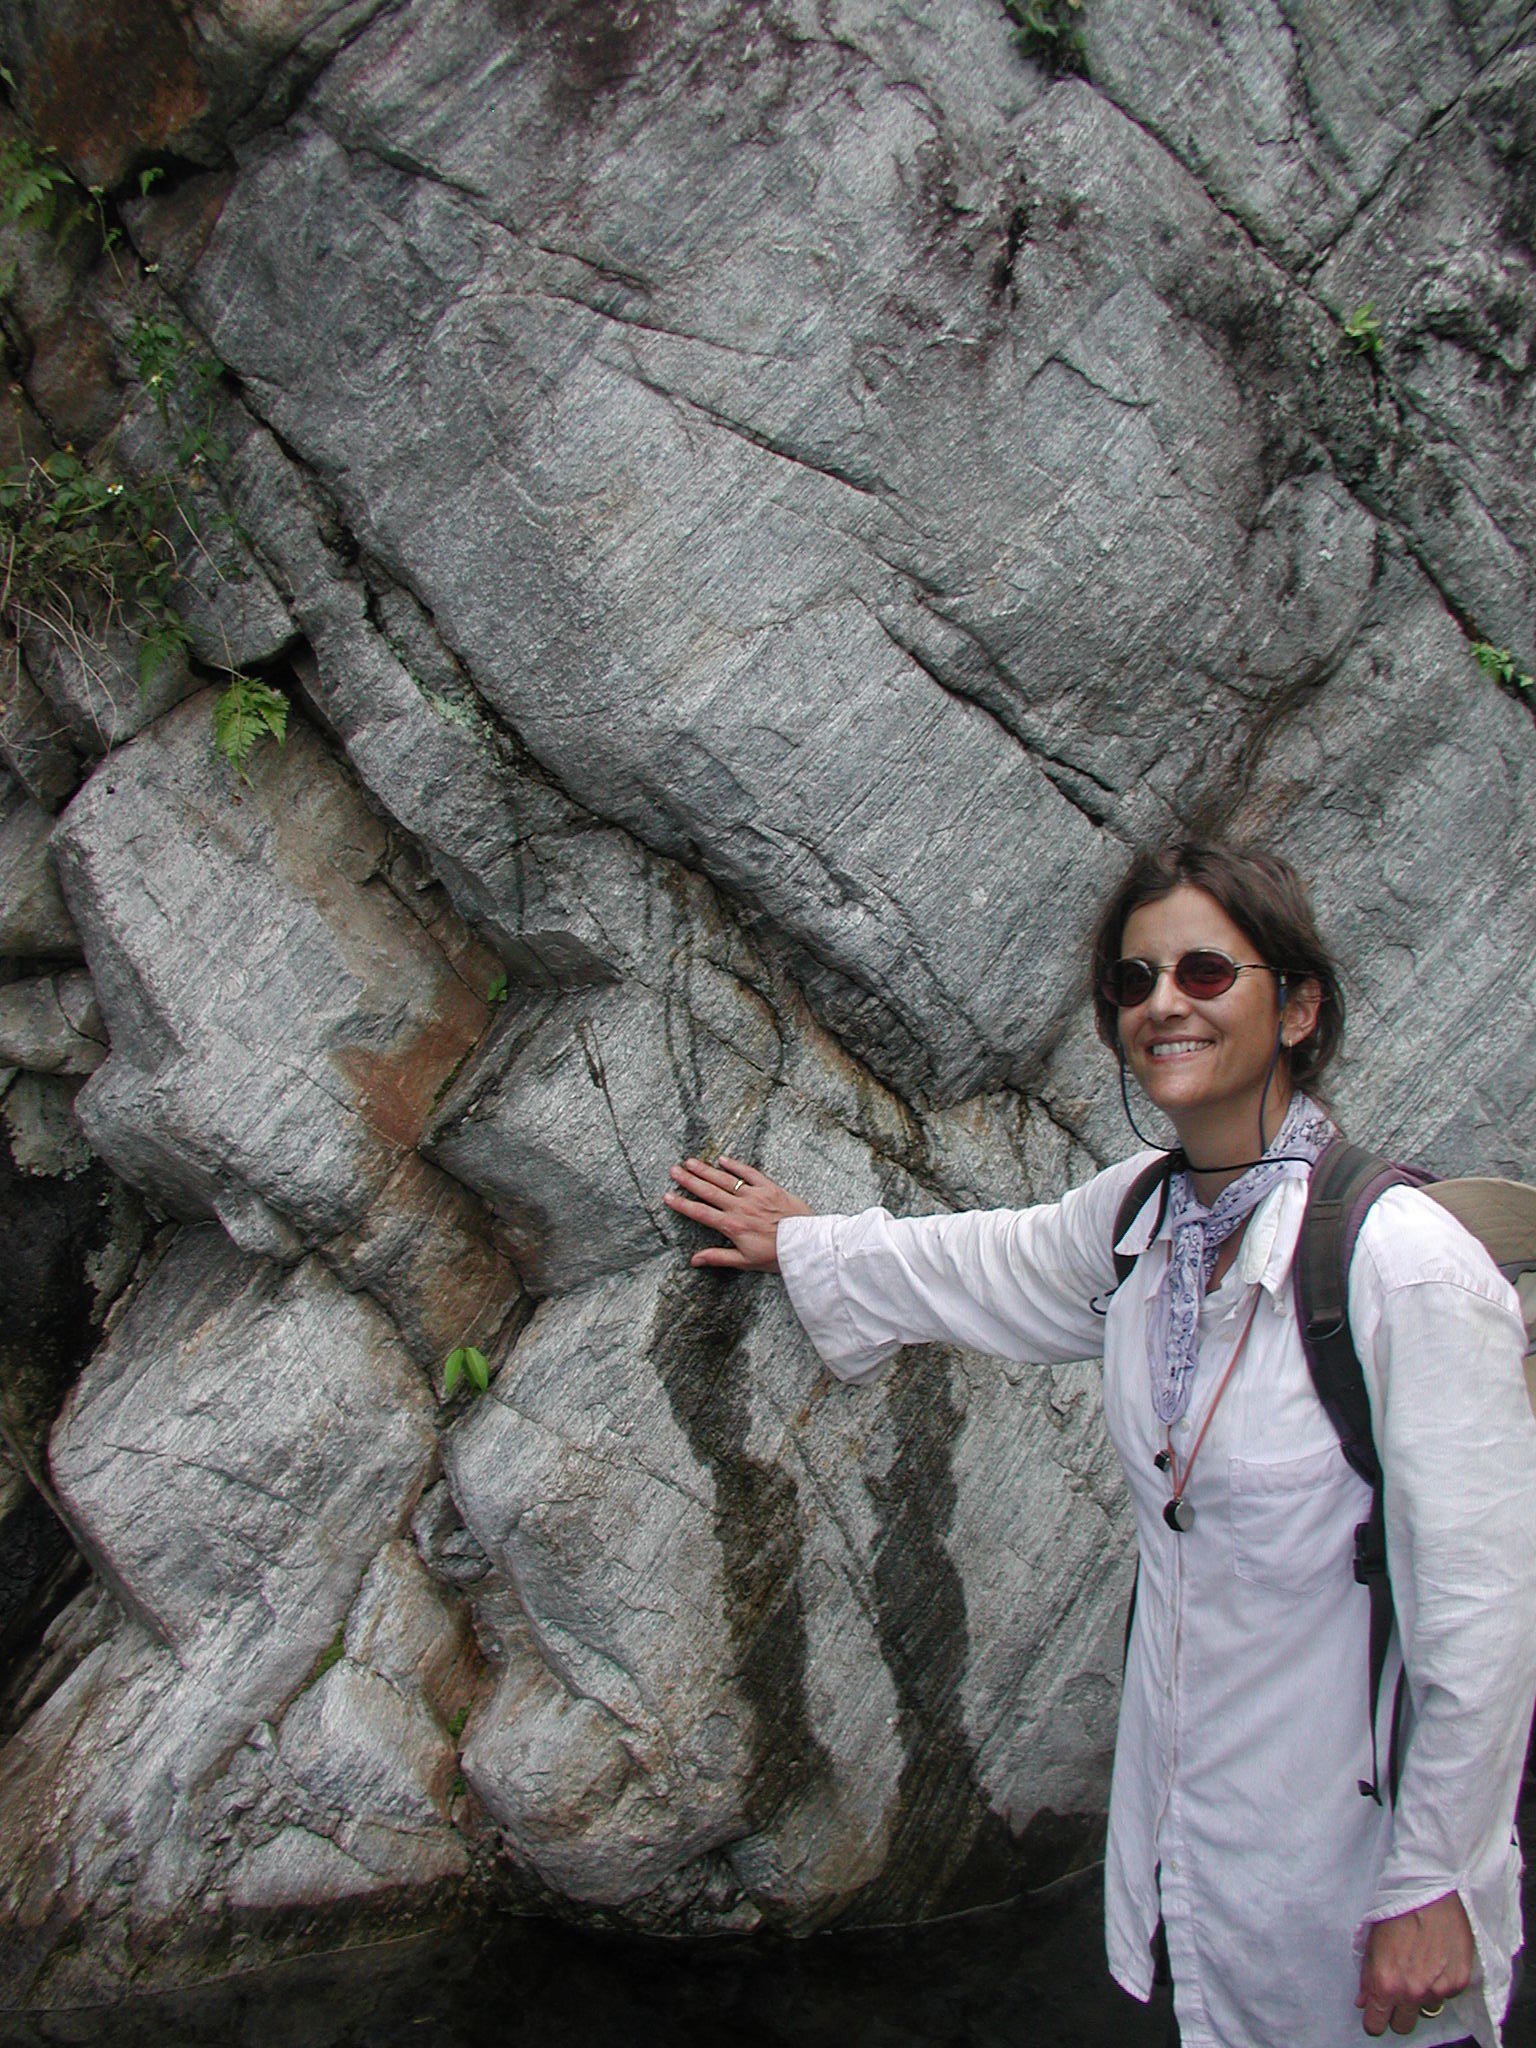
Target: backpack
1346	1180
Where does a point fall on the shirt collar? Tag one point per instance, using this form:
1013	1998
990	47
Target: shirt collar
1269	1242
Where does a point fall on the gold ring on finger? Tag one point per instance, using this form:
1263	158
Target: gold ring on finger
1433	2012
740	1184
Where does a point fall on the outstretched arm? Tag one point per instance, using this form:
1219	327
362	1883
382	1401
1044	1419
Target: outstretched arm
1015	1283
742	1204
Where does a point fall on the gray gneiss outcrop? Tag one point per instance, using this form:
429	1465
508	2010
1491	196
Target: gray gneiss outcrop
755	506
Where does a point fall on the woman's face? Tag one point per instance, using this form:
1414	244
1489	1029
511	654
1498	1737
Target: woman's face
1204	1062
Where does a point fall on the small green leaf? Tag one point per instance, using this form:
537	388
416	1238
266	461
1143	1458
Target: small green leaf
150	177
453	1371
497	992
1363	329
477	1368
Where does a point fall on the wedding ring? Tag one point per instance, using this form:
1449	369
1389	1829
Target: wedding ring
740	1184
1433	2012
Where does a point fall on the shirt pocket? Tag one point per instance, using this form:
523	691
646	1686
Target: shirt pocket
1294	1520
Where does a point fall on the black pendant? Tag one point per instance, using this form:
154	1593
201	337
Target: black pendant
1163	1460
1179	1515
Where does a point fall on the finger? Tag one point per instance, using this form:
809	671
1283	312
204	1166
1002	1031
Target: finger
745	1171
720	1255
1374	2017
1405	2017
705	1190
697	1212
718	1174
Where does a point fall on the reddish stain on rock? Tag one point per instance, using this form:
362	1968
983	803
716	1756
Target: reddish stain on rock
427	1250
111	81
396	1090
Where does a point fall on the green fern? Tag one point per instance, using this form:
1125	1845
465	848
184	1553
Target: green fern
248	711
35	190
163	642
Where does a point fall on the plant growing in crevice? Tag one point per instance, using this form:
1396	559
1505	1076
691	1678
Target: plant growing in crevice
466	1364
38	192
35	189
182	380
1499	663
1051	32
248	711
333	1653
86	552
82	553
1362	330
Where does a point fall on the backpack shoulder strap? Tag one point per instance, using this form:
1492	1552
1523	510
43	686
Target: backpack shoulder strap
1346	1180
1157	1173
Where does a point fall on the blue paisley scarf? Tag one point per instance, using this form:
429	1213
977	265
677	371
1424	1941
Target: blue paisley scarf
1198	1233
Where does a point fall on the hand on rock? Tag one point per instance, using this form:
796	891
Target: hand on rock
1413	1963
742	1204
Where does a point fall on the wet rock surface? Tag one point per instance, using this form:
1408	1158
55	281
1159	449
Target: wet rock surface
1027	1975
754	509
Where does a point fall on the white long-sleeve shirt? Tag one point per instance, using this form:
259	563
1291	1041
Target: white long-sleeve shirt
1234	1807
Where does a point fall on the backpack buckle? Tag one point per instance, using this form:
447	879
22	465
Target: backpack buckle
1370	1554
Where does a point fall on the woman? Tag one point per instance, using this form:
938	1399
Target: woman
1295	1911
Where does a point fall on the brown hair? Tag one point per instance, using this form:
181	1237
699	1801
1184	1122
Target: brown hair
1266	898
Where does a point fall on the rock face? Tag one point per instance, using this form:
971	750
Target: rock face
234	1458
756	509
283	1011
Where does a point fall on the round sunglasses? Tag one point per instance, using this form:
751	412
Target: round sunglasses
1202	973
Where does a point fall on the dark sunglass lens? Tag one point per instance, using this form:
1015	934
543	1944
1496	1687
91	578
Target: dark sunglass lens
1130	982
1203	975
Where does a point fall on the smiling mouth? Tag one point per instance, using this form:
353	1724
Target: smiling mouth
1175	1048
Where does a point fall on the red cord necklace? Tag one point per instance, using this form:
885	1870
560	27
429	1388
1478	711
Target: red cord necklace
1177	1512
